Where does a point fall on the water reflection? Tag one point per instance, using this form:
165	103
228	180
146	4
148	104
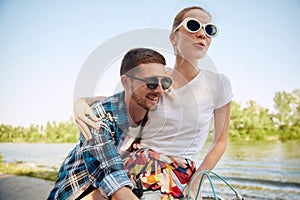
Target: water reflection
263	170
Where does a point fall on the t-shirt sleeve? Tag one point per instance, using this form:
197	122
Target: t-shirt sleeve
223	91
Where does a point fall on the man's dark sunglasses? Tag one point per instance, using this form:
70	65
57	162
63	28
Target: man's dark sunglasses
153	81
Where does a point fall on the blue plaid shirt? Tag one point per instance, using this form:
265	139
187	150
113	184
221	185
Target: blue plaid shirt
96	161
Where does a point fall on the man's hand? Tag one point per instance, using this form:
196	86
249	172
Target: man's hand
81	111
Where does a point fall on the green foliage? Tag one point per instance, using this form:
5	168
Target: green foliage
287	117
254	122
62	132
249	122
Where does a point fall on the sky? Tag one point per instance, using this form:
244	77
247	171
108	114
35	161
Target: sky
45	46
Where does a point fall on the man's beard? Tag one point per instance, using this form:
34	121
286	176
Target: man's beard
141	102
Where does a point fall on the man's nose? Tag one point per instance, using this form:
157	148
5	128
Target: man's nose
159	89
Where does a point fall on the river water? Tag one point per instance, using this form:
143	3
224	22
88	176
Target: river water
257	170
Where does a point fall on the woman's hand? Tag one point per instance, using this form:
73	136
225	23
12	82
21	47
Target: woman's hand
194	187
85	116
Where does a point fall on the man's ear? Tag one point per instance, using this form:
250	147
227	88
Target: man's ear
124	81
172	39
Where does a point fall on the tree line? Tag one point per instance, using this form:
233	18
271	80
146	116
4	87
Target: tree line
248	122
52	132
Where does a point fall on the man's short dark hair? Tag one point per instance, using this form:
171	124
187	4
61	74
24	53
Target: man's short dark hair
137	56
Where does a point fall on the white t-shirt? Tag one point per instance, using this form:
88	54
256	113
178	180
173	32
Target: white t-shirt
127	140
180	125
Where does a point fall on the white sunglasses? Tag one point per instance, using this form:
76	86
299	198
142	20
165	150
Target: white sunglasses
192	25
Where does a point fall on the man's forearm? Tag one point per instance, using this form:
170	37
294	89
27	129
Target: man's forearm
104	165
91	100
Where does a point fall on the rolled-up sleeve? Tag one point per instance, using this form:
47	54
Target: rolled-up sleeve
103	163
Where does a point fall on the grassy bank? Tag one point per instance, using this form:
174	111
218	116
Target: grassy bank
29	169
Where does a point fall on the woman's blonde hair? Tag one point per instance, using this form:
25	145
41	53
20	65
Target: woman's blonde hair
179	17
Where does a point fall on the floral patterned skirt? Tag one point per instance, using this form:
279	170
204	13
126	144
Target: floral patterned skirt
156	171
